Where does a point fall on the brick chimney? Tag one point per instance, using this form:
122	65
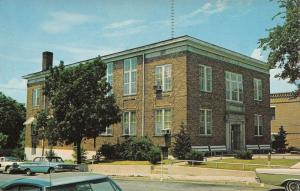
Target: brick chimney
47	60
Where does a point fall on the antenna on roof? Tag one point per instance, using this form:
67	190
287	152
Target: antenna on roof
172	18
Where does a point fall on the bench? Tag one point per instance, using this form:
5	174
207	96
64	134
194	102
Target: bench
265	148
218	149
252	148
202	149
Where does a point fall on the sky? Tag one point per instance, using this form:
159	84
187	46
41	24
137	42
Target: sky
77	30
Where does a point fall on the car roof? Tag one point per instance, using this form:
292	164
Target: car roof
55	179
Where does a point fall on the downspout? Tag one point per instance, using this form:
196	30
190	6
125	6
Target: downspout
143	100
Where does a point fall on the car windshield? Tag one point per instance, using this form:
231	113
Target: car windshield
99	185
54	159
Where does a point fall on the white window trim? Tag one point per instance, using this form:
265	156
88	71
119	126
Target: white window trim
258	125
130	71
256	90
205	122
129	123
35	97
163	76
162	119
105	133
205	78
230	87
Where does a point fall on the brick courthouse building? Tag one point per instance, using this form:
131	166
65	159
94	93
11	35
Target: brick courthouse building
221	96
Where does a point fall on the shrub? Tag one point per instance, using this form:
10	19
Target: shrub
182	144
194	155
108	151
154	155
247	155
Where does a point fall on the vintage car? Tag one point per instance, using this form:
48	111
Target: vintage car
8	164
288	178
45	164
68	181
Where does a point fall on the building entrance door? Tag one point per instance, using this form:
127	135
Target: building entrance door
236	137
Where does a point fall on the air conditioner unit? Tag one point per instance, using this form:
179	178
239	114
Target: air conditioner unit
166	131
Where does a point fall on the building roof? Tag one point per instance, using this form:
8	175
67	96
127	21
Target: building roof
284	97
182	43
55	179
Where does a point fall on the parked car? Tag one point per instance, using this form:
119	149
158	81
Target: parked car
8	164
79	181
46	165
288	178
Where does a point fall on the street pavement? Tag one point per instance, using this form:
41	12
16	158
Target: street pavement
140	184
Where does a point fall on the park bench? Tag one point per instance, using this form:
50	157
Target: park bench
264	148
218	149
253	148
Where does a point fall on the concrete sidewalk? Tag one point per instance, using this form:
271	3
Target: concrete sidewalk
296	165
171	172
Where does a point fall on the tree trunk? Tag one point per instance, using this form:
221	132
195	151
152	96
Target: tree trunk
78	144
43	146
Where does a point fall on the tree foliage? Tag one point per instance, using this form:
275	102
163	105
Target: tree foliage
182	144
80	102
12	117
279	143
283	41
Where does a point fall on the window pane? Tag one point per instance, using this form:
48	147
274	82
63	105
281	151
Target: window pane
133	63
202	121
202	78
158	76
103	186
126	65
167	78
132	123
208	79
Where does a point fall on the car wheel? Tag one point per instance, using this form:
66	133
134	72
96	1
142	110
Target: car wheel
292	185
51	170
28	172
7	170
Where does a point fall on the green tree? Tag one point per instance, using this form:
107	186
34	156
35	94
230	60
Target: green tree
12	117
80	102
182	144
283	41
3	140
279	143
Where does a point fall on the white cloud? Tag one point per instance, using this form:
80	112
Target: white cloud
15	88
64	21
124	28
209	8
257	53
122	24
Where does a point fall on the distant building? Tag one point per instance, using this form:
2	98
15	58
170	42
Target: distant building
221	96
286	112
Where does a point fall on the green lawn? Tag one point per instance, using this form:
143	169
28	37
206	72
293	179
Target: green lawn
260	162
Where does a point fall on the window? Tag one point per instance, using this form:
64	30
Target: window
36	97
108	131
130	73
129	123
257	89
163	77
258	124
109	73
205	121
163	120
273	112
205	78
234	87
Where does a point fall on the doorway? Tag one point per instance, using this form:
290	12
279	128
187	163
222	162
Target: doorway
235	137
